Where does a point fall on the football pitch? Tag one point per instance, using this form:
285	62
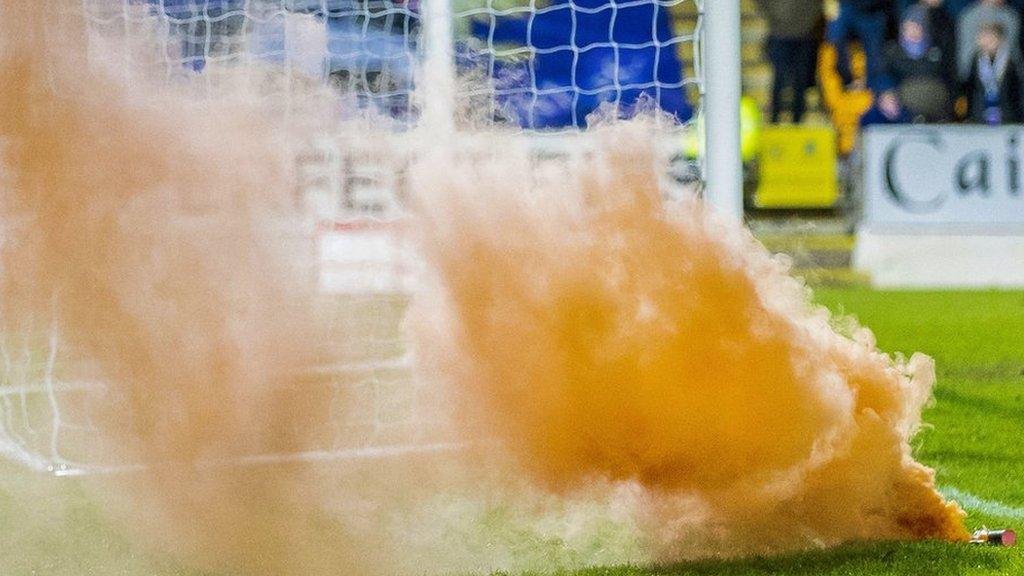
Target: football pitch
974	438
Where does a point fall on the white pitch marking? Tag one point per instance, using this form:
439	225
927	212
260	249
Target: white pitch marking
991	507
367	453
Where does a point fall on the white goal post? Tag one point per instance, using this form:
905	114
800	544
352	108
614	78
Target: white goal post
723	164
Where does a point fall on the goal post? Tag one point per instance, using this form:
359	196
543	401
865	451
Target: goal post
439	70
723	164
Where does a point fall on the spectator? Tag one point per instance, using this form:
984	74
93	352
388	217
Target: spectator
993	86
940	23
792	46
887	108
923	73
865	20
970	22
845	106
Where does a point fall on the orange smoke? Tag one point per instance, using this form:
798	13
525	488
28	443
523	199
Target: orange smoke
160	234
599	334
606	341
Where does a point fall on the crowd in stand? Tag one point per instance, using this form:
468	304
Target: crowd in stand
922	60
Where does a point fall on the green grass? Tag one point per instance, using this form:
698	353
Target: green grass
975	439
778	242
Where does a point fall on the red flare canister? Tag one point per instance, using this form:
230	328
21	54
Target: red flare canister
994	537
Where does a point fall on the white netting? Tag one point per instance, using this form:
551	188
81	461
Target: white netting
544	65
554	63
537	66
370	404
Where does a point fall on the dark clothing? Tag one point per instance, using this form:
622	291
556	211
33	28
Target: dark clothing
792	19
793	62
925	85
934	63
1008	104
866	5
867	26
792	48
955	7
943	30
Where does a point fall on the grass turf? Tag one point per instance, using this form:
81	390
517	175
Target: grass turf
50	526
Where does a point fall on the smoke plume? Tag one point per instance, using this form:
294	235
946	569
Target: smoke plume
629	380
599	335
159	232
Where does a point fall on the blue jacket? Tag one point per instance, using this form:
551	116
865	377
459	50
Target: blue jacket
566	85
866	6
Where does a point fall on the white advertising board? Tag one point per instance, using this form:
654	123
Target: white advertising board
943	176
943	206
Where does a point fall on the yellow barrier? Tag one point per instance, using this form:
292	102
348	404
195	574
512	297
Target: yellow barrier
797	167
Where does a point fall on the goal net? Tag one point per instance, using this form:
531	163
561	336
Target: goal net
547	64
540	68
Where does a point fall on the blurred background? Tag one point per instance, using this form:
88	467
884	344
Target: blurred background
879	137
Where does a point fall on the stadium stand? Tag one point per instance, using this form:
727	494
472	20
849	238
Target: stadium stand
757	72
